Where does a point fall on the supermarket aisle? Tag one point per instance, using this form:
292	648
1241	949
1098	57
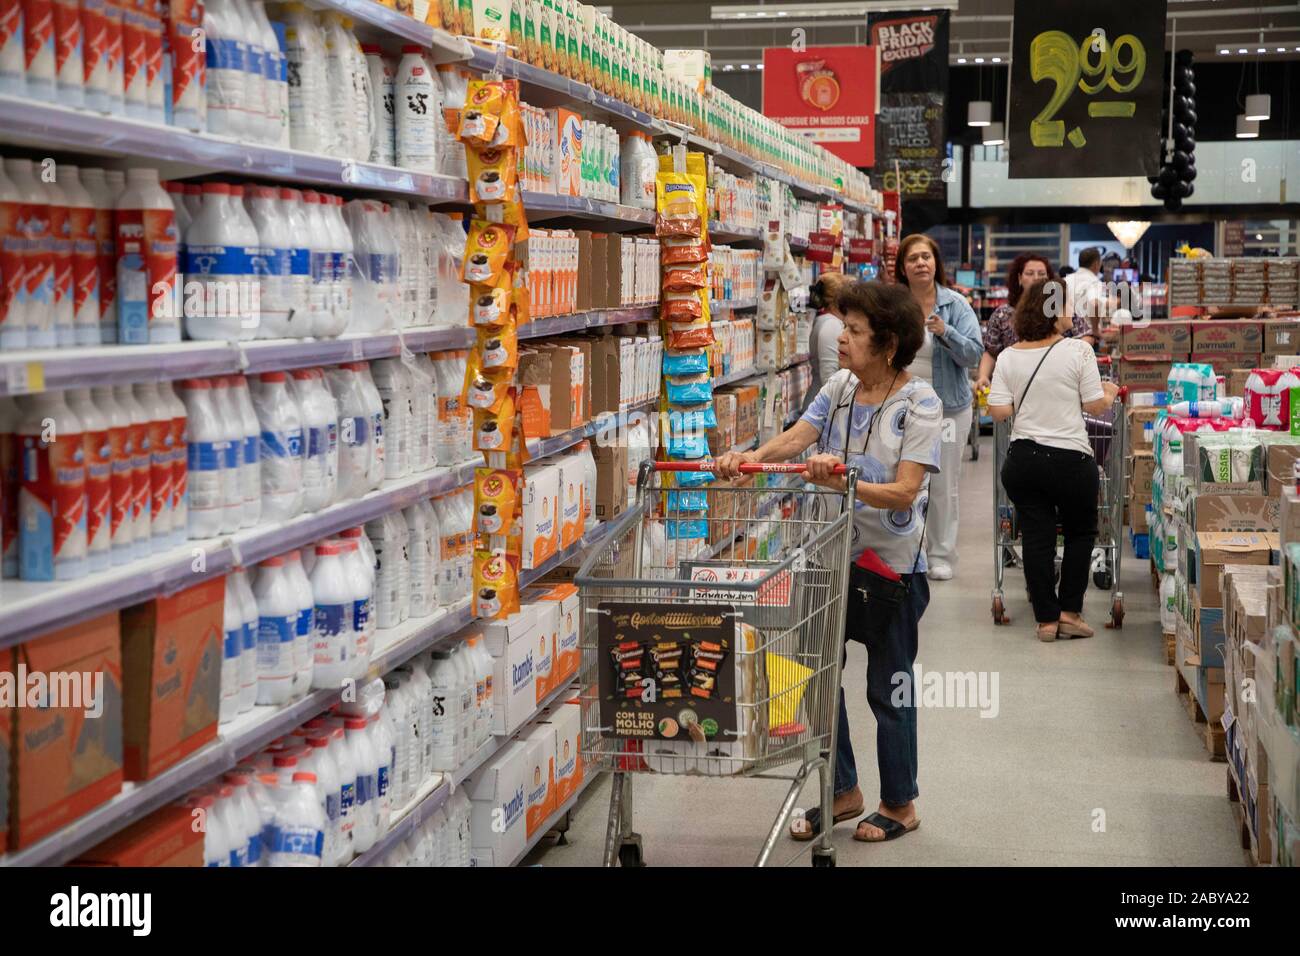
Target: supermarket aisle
1083	728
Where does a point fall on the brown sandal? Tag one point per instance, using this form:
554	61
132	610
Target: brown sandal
891	828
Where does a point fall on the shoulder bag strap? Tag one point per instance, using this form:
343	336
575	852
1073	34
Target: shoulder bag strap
1034	375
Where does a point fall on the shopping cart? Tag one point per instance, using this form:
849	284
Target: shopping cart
764	588
1107	435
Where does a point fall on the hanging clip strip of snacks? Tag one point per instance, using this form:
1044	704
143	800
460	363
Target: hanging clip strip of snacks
492	130
681	223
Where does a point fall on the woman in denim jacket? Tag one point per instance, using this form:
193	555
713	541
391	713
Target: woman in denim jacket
953	345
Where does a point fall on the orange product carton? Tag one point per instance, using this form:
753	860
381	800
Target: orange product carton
167	837
171	667
546	614
565	597
539	775
569	504
66	758
540	515
566	718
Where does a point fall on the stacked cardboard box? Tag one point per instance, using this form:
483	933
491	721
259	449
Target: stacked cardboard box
1232	346
1277	673
1235	281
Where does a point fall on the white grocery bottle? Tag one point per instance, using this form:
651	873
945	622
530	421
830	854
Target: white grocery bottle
96	184
97	448
36	242
144	222
418	108
343	263
61	245
205	459
227	85
257	117
38	49
431	543
216	264
52	495
216	841
85	256
319	237
311	121
302	644
13	298
393	383
280	447
273	263
329	790
378	443
446	714
423	412
299	825
367	793
332	624
122	528
299	320
339	83
276	87
447	556
388	567
422	602
141	472
346	762
277	629
380	71
177	455
232	650
397	712
250	471
246	814
320	432
11	51
423	696
382	741
359	557
232	455
354	447
158	415
248	659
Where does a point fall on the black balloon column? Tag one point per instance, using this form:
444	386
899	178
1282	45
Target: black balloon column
1178	168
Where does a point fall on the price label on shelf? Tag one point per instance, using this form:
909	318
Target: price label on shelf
25	378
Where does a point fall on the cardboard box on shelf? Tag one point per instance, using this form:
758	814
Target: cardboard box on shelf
723	438
1145	375
513	644
569	501
1209	691
597	266
1280	466
1167	339
66	759
1226	337
566	718
1207	632
499	807
586	286
171	677
535	392
540	514
1142	469
1289	517
611	479
746	412
1236	381
1209	512
1225	362
1139	416
1280	337
539	775
546	634
565	598
1137	515
1213	549
167	837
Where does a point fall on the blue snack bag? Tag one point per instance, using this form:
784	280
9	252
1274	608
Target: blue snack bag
689	392
686	363
692	420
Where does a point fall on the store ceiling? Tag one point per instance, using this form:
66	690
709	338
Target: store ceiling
979	27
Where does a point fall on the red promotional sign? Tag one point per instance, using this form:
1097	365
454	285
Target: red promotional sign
860	250
822	246
827	93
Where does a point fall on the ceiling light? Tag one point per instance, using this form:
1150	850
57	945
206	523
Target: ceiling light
997	59
1247	129
1259	237
744	66
758	66
1261	50
961	59
1128	233
1242	50
979	59
1281	49
1258	106
993	135
979	113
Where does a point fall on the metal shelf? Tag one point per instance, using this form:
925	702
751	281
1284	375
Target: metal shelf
384	22
732	305
433	795
736	376
555	205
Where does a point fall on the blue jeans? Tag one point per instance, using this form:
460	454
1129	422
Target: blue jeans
890	650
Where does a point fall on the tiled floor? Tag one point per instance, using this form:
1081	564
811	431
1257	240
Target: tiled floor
1090	759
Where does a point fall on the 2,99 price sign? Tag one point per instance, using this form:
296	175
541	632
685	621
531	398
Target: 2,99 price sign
1085	88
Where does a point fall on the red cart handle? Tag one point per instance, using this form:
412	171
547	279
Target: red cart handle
747	468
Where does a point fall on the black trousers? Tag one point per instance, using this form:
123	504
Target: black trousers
1051	488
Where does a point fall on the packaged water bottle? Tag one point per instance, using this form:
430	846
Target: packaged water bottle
250	471
98	451
158	415
232	453
277	630
141	472
280	448
299	825
302	644
232	651
85	257
366	827
52	499
332	636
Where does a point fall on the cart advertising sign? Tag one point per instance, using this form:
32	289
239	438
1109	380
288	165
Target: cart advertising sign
827	93
1086	82
667	672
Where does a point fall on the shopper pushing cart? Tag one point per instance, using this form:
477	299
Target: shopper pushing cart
1058	459
794	577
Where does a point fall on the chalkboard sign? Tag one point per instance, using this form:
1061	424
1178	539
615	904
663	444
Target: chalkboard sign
1086	84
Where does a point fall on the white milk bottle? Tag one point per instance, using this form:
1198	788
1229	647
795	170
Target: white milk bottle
468	704
61	245
12	60
381	739
332	624
98	450
176	446
215	262
329	789
10	483
33	209
422	603
302	649
367	792
277	630
431	544
420	372
141	471
314	443
311	126
445	724
299	825
232	454
411	277
446	444
52	496
447	557
339	83
227	84
246	812
381	104
216	841
418	108
393	383
280	447
184	218
232	650
122	528
106	259
465	528
319	238
37	37
276	86
354	451
13	300
256	114
320	417
144	221
232	821
250	466
85	256
248	659
299	320
387	567
422	695
249	299
359	556
375	404
158	415
346	763
273	263
373	290
397	712
343	263
482	664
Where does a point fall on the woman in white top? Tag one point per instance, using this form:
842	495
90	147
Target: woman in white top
1047	382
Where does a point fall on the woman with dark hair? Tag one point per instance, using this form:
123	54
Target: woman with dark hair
877	417
1026	269
1047	381
823	339
952	345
